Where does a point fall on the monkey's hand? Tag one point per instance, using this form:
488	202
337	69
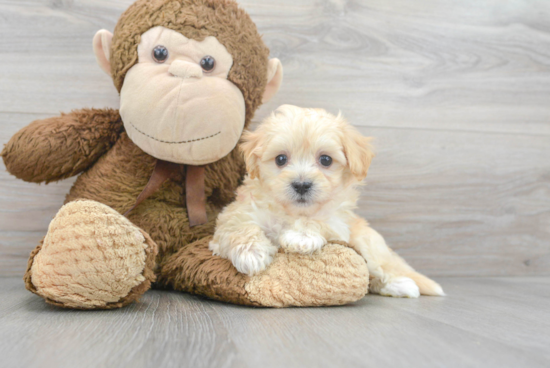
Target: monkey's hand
63	146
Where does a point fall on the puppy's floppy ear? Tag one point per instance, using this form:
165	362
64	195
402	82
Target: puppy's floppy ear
358	151
250	147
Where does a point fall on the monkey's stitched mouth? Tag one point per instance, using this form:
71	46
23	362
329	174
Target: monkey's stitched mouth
174	142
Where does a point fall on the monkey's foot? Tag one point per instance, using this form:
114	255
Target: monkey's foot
91	258
335	275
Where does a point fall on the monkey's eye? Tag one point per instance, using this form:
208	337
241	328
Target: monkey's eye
325	160
281	160
208	63
160	54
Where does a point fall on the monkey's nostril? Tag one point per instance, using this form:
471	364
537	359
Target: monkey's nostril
302	187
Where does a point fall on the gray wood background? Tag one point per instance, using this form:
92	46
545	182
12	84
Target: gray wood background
456	93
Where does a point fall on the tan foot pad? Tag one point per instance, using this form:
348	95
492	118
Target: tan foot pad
336	275
92	257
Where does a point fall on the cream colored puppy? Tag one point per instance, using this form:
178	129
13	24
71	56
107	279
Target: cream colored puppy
304	168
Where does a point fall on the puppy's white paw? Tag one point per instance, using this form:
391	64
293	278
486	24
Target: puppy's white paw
401	287
297	242
252	258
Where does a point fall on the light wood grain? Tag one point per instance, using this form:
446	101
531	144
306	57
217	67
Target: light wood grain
462	203
445	64
456	93
498	322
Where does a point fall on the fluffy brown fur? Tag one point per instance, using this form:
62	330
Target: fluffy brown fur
121	174
194	270
60	147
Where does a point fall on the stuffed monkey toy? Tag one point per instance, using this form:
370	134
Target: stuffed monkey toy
153	176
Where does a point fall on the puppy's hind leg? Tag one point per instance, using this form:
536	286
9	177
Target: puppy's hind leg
391	275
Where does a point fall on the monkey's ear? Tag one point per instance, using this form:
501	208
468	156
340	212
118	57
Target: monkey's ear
102	49
274	79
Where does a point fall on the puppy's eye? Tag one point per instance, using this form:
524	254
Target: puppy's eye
281	160
208	63
160	54
325	160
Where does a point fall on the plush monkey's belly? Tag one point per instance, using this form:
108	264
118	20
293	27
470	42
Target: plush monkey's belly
118	177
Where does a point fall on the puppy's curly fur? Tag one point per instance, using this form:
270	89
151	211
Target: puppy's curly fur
304	168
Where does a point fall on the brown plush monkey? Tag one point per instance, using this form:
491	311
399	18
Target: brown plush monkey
191	74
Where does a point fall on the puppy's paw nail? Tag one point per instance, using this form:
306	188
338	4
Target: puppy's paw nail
401	287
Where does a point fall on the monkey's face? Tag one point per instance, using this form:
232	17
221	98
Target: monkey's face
176	102
193	81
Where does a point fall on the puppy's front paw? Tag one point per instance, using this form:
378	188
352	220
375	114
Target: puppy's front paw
401	287
297	242
253	257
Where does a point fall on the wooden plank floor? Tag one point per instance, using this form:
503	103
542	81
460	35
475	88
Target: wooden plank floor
483	322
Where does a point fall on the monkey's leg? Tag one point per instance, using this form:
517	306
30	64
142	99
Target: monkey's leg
334	276
91	258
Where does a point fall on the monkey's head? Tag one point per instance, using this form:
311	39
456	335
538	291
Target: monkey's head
191	74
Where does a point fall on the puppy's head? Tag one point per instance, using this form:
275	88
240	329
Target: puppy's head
304	157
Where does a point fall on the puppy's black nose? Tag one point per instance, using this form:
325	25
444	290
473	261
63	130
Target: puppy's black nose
303	187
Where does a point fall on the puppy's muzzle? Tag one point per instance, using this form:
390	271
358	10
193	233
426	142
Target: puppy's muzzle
302	188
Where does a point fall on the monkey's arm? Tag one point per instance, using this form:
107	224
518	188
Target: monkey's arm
63	146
